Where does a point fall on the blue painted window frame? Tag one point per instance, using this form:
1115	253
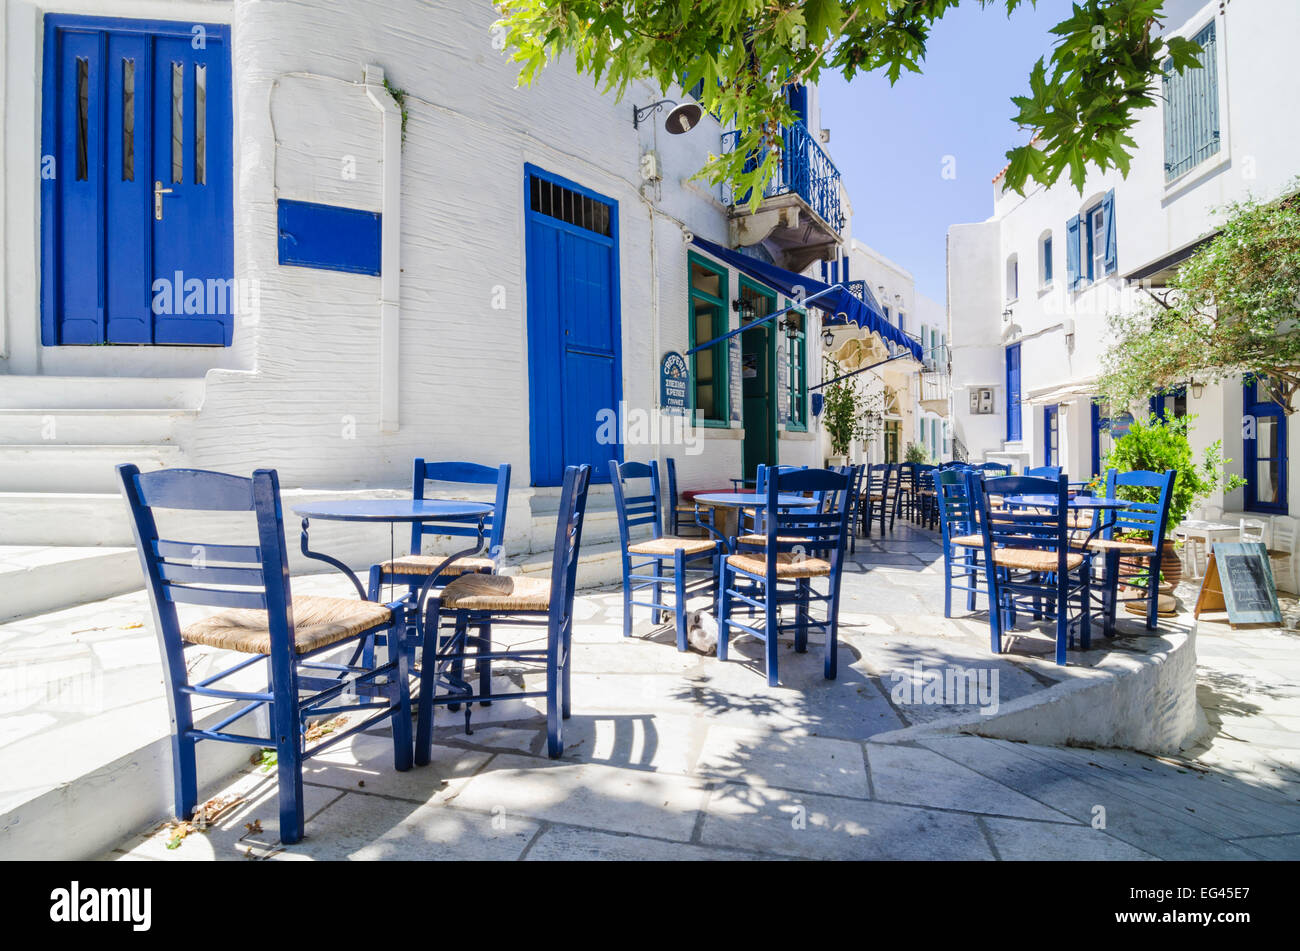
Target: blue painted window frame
1253	405
51	23
722	374
1015	421
1158	407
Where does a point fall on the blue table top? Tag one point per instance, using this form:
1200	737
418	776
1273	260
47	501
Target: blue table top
392	510
752	500
1078	502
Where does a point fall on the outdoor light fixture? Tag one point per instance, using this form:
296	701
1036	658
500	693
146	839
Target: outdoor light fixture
791	328
1198	390
745	308
684	116
828	337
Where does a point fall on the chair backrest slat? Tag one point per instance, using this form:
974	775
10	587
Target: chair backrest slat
214	575
462	473
642	508
808	530
190	551
1044	528
1148	496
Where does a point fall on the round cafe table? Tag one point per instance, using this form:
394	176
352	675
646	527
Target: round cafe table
730	504
392	512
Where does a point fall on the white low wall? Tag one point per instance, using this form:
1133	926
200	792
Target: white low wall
1143	701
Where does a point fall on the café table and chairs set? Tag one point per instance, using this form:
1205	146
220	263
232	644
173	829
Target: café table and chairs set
313	658
1041	538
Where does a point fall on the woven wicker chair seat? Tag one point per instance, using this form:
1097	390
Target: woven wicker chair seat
969	541
686	509
497	593
1030	559
761	540
1127	547
668	545
426	564
787	566
318	622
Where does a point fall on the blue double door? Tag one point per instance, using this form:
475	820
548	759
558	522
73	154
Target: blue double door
136	179
574	366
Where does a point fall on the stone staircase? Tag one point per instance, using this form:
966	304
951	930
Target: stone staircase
64	534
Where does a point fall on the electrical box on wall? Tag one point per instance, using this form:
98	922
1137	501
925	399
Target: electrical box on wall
981	400
650	171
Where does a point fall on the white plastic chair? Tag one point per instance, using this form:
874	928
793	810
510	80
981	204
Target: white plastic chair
1254	530
1283	550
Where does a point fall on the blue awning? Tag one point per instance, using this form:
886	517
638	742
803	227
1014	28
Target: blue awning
834	299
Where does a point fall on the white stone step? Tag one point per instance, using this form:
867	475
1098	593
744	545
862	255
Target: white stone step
102	427
50	467
598	564
103	392
37	579
64	518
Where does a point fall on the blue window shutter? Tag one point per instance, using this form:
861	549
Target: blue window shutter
1072	232
1108	209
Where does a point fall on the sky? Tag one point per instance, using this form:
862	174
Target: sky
891	143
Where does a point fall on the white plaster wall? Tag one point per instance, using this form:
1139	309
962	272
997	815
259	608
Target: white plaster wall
1259	155
310	406
974	334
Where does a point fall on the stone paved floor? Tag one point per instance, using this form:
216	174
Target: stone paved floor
679	756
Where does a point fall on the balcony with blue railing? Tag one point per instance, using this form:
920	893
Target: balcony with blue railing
807	183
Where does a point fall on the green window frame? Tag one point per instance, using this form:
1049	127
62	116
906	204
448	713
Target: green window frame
797	376
716	359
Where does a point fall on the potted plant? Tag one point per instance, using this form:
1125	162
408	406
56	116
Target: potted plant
1156	445
916	453
842	414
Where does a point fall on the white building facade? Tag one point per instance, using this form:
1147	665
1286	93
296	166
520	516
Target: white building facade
913	396
1030	289
328	236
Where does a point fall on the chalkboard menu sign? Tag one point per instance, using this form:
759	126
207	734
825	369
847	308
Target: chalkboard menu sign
1239	579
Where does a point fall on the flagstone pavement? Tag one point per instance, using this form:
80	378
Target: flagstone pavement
680	756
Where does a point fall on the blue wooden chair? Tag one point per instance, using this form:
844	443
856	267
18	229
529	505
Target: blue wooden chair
1147	514
925	507
263	619
678	513
412	570
856	477
1044	472
800	545
1028	559
959	530
881	486
638	506
477	599
993	470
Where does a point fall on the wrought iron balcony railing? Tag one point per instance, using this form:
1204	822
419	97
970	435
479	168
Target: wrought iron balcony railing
803	169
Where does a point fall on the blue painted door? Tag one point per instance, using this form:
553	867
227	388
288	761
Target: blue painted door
1014	429
575	374
137	194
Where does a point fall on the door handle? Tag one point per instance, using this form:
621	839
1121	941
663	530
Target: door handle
158	192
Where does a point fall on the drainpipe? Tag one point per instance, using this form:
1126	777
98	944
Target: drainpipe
390	278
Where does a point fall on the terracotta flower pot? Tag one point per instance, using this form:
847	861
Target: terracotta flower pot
1171	566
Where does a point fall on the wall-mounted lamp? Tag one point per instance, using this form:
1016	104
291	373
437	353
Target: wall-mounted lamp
828	337
791	328
684	116
745	308
1197	389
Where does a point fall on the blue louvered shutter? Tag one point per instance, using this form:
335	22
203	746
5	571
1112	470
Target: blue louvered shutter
1192	109
1072	233
1112	253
